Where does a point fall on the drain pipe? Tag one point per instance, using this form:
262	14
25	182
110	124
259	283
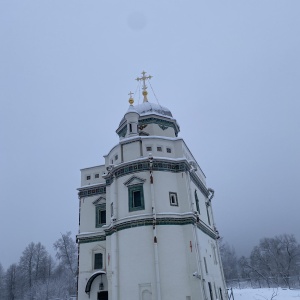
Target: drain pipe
155	246
210	197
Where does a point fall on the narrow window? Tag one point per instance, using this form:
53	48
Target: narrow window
130	127
210	291
136	198
88	177
159	149
98	261
169	150
215	291
111	209
221	294
205	264
173	199
207	211
116	157
197	202
214	254
149	148
96	175
112	161
100	215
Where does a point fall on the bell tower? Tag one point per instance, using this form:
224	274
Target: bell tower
146	223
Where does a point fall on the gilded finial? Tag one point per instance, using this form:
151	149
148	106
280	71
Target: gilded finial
131	101
144	78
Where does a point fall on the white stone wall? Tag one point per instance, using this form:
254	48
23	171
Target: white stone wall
130	252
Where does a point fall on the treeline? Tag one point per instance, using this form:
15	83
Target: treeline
39	276
273	262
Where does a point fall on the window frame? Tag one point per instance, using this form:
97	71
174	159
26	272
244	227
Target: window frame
171	194
94	262
208	214
197	202
112	209
131	190
100	208
205	265
169	150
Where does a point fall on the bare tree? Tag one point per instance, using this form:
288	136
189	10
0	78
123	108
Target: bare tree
2	278
229	260
66	253
27	266
33	267
11	282
41	263
275	259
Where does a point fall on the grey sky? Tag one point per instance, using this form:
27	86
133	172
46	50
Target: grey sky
228	70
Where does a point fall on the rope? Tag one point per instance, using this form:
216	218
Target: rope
154	93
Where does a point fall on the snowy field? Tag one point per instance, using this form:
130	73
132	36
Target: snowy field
266	294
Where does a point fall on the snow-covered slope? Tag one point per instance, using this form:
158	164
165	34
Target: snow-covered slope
266	294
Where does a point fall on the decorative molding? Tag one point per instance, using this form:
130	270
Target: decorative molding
98	200
91	191
160	123
141	166
160	221
134	180
141	127
158	165
190	219
163	127
90	239
143	122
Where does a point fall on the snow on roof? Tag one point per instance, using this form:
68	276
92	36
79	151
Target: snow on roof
148	108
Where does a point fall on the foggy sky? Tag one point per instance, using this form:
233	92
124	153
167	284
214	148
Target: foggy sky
228	70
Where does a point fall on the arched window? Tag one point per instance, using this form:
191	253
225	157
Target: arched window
197	202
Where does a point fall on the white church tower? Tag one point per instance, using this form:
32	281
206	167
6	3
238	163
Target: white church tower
146	223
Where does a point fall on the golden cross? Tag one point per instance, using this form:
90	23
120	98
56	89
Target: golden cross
144	78
131	101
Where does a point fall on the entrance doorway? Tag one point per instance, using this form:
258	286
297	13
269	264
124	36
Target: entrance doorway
103	295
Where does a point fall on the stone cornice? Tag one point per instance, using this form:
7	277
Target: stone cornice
88	191
90	237
148	220
159	164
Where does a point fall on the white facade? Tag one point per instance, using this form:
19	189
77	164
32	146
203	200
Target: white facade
146	224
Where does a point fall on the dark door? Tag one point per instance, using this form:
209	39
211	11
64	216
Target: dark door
103	295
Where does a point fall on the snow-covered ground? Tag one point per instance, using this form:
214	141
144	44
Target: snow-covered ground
266	294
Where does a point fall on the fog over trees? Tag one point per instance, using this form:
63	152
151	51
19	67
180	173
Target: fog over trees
273	262
38	275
